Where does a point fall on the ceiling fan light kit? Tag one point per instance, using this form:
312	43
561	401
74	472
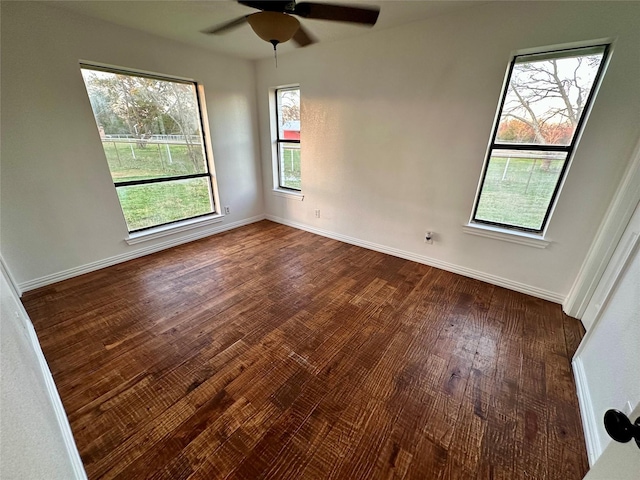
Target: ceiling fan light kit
273	27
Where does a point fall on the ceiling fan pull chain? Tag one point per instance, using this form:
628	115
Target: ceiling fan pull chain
275	52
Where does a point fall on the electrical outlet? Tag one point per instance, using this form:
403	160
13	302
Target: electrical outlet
227	210
428	238
317	213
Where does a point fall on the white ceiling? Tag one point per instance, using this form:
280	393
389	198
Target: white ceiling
184	20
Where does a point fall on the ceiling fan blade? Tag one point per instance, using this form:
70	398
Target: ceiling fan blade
302	37
225	27
267	5
339	13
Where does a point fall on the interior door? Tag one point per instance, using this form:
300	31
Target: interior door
619	461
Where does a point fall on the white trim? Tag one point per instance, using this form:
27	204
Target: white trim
610	282
107	262
589	421
605	287
52	391
164	230
12	281
511	236
566	46
208	146
613	225
450	267
617	264
291	195
56	402
135	71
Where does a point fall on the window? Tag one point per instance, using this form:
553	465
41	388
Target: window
541	115
288	138
152	136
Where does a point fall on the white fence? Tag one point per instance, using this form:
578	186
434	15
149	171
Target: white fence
173	139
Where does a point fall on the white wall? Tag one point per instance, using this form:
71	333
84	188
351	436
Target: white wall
607	362
59	208
395	126
35	438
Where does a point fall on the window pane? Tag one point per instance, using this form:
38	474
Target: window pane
547	96
289	155
518	187
157	157
149	127
158	203
288	113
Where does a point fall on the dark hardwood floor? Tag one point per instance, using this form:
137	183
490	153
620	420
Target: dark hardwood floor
271	353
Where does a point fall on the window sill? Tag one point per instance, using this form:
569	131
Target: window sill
511	236
164	230
287	194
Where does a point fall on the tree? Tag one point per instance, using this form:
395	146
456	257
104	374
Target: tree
516	131
290	105
101	105
142	107
548	96
127	97
179	106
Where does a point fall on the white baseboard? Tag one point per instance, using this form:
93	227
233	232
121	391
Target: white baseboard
140	252
52	391
450	267
589	421
56	403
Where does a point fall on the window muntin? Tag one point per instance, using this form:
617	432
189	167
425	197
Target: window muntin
541	114
288	138
152	136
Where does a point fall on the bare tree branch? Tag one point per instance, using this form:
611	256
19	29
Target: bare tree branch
549	95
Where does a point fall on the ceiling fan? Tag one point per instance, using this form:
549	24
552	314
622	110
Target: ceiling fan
276	24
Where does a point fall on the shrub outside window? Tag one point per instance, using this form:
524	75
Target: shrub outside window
541	114
288	138
152	135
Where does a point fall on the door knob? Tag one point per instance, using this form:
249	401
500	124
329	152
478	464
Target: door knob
620	428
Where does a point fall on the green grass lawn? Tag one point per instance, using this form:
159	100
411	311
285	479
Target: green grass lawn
522	197
290	168
129	161
155	204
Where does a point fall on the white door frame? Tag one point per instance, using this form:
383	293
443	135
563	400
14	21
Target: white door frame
623	255
609	233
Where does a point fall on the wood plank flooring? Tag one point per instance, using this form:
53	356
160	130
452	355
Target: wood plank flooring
271	353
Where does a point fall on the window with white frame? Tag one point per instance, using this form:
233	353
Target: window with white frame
288	138
542	112
153	139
